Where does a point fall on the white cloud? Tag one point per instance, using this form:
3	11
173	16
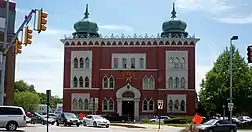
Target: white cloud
200	74
116	27
41	63
22	11
220	10
235	20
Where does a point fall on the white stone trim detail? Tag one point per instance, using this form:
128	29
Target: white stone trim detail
148	83
148	105
108	108
81	88
77	97
129	69
175	97
177	89
136	99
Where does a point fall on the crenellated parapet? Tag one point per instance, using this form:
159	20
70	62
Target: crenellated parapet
129	41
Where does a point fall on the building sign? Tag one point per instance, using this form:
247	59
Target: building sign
128	75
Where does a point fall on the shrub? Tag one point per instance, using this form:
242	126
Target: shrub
179	120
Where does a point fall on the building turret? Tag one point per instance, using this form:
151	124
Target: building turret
174	27
85	27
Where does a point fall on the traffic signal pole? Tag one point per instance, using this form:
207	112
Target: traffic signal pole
7	47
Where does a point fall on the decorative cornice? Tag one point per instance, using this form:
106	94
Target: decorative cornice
129	41
81	88
176	89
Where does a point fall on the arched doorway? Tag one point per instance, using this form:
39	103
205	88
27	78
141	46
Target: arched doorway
128	105
128	98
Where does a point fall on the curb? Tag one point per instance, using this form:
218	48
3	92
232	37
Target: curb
126	125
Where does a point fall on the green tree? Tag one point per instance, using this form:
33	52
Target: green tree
54	100
28	100
22	86
215	87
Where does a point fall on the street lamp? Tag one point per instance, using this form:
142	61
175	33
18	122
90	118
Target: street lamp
230	105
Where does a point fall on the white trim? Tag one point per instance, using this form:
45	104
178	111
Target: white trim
176	89
81	88
135	46
129	69
130	88
108	110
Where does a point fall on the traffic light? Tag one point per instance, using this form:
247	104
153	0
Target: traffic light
18	47
27	36
249	49
42	21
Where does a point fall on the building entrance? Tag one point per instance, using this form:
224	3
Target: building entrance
128	109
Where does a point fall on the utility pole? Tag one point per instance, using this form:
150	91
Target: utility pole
4	55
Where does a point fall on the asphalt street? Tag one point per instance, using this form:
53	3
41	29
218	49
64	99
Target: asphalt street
41	128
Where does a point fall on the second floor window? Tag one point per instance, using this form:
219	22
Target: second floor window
141	62
124	63
115	62
133	63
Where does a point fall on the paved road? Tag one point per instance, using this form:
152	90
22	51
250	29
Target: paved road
41	128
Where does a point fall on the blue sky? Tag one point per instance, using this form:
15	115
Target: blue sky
213	21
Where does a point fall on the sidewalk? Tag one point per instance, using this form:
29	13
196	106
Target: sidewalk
149	127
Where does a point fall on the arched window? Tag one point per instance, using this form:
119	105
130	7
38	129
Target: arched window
151	83
141	63
75	82
124	63
170	82
171	63
182	63
176	82
81	63
133	63
87	63
115	62
176	105
86	82
75	62
80	104
105	104
151	105
145	105
105	82
182	81
111	82
182	105
74	104
170	105
81	82
111	104
86	104
128	94
176	62
145	83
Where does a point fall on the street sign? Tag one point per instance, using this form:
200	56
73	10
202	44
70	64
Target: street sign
160	104
230	106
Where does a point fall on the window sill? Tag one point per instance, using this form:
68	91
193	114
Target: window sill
147	111
148	89
107	110
108	88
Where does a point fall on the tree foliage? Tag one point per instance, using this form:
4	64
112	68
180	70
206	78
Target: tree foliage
28	100
215	87
21	88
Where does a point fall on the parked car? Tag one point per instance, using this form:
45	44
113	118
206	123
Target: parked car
162	118
51	115
12	117
37	118
67	119
95	120
216	125
28	119
115	117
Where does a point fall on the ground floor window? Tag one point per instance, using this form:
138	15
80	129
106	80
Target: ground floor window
107	104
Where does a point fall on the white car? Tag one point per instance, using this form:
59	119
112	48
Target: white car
162	118
95	120
12	117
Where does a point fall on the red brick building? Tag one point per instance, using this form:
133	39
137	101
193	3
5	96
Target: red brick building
129	74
